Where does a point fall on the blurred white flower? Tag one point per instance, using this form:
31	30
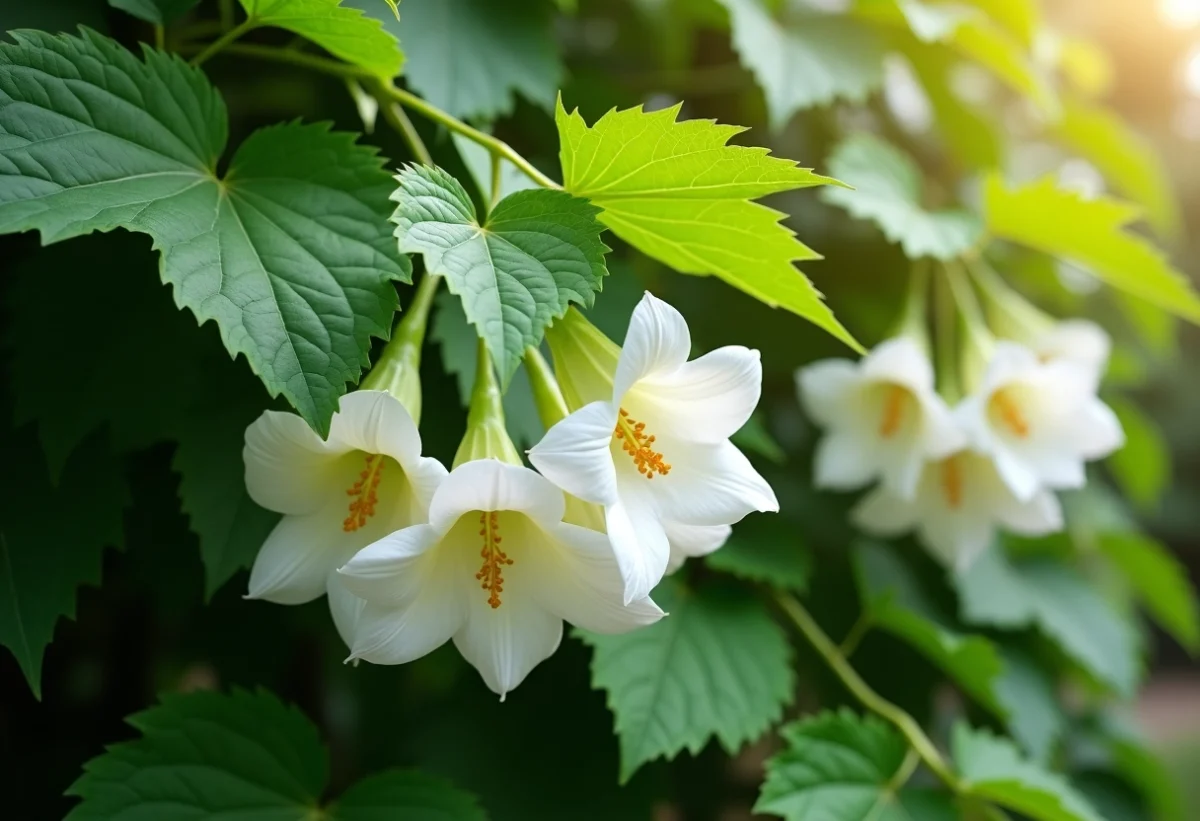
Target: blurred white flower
497	570
1079	341
882	416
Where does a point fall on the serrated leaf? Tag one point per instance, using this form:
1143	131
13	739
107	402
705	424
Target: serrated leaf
342	30
766	549
52	539
841	767
1029	695
814	61
993	770
537	252
887	191
1142	467
1160	582
1124	157
676	192
1000	592
158	12
717	666
290	253
471	58
407	795
1090	233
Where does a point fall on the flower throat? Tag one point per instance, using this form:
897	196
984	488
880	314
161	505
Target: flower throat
365	492
491	575
639	446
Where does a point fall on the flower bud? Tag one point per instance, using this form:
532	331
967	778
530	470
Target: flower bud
585	360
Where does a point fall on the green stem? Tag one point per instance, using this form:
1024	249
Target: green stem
857	633
224	41
398	369
946	341
300	59
160	37
397	119
495	196
901	720
547	395
486	436
226	14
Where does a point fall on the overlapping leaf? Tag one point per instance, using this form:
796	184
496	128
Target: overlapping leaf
1142	467
535	254
290	252
768	550
159	12
1160	582
718	666
342	30
678	193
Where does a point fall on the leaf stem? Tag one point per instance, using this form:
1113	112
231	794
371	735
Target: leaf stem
495	195
160	37
397	119
224	41
857	633
901	720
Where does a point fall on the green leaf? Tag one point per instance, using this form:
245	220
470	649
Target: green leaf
158	12
343	31
999	592
766	549
1020	18
1160	581
755	438
537	252
972	137
842	767
718	666
1143	466
993	770
818	59
245	756
1124	157
1029	695
471	58
52	539
456	340
289	253
407	795
887	191
678	193
1089	232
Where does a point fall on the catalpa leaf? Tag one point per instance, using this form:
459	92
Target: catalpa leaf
290	252
887	191
993	770
842	767
814	61
766	549
535	254
1091	233
343	31
675	191
1160	582
719	666
158	12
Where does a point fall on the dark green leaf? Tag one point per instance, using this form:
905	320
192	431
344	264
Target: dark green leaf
159	12
405	795
766	549
1160	581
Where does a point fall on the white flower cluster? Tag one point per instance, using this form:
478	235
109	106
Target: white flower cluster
495	556
955	475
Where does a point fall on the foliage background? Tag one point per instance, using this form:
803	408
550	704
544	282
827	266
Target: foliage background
154	625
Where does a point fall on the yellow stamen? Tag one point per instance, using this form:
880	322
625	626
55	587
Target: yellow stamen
1009	411
366	494
637	444
491	576
893	411
952	481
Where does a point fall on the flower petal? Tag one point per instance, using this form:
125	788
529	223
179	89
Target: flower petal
488	484
577	579
900	360
844	461
1018	474
393	570
691	541
289	469
826	388
639	543
941	433
575	454
504	644
708	484
425	476
376	422
1097	430
398	635
1040	516
958	539
344	607
883	513
658	341
296	559
705	400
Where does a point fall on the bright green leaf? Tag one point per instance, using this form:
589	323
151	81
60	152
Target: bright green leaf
471	57
537	252
1091	233
1160	581
1124	157
678	193
158	12
766	549
841	767
813	61
968	132
993	770
1000	592
52	539
405	795
717	666
1020	18
1143	466
343	31
887	191
290	253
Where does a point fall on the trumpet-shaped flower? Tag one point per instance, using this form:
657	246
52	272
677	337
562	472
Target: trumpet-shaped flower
1076	340
495	569
882	416
657	448
1039	420
959	502
337	495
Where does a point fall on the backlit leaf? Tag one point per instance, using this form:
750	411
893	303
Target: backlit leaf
342	30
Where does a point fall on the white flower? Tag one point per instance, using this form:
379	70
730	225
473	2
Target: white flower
658	449
959	502
496	569
883	418
337	495
693	541
1076	340
1039	420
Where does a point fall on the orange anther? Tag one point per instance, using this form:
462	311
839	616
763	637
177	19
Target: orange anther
952	481
494	559
1009	411
893	411
637	444
366	494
